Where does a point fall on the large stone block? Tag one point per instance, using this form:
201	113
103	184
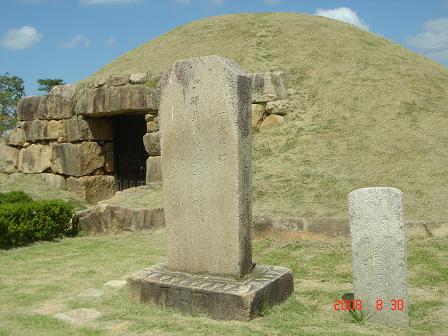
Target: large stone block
152	143
379	254
53	180
59	103
37	130
16	137
8	159
34	159
28	107
114	218
76	159
92	188
81	129
268	86
109	100
205	124
153	169
220	298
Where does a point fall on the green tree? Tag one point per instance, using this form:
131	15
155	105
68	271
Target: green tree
47	84
11	90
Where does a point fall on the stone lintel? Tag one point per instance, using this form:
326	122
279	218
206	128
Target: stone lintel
221	298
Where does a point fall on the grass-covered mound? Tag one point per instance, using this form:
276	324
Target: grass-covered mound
23	221
368	112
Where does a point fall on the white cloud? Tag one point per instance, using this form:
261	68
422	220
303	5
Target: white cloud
217	2
434	37
75	41
110	41
343	14
185	2
106	2
21	38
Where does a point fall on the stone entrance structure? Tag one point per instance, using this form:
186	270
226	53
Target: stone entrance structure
205	111
129	153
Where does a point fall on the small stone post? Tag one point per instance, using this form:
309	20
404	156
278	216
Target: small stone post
379	254
205	121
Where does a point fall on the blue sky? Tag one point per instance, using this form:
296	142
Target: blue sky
71	39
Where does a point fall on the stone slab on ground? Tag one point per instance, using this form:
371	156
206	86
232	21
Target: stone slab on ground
133	209
78	316
110	218
222	298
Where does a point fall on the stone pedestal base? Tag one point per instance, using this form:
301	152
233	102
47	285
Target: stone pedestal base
220	298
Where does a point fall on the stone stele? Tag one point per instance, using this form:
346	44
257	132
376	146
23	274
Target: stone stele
379	254
205	111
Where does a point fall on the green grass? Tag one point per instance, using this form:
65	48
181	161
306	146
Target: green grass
368	112
55	272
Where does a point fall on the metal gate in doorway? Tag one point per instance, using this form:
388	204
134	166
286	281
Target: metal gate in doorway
129	152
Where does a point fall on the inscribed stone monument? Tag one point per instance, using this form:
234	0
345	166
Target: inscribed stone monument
379	254
205	121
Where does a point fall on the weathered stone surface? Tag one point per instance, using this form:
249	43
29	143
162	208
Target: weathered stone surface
79	316
8	159
92	188
152	126
16	137
98	83
205	116
218	297
152	143
34	159
153	169
54	180
268	86
138	78
379	252
257	115
28	107
279	107
108	100
37	130
112	218
81	129
271	121
59	103
76	159
119	79
150	117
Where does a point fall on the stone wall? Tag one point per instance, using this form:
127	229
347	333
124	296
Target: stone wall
69	133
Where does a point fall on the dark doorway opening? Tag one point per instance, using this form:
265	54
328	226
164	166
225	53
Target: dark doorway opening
129	152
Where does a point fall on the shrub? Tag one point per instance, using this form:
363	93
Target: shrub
14	197
24	223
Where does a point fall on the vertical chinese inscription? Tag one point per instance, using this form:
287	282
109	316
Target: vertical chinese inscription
205	106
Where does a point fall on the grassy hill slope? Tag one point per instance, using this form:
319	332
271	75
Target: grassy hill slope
367	113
